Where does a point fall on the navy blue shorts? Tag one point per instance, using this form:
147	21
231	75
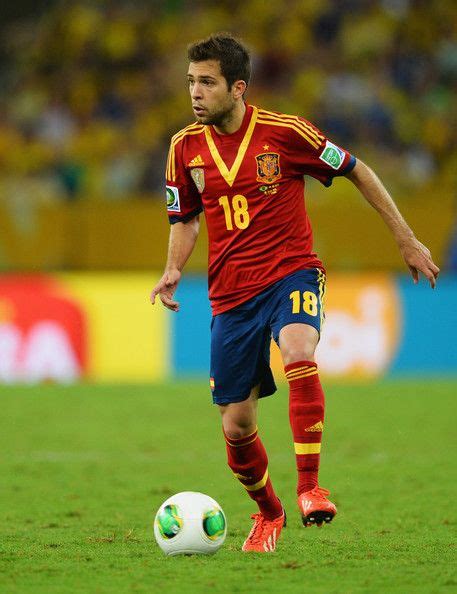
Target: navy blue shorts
240	337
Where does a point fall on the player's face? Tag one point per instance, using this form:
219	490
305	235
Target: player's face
212	101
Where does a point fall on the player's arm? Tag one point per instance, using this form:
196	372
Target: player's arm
183	237
415	254
183	207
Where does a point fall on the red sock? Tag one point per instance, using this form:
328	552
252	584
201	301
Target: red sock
248	460
306	414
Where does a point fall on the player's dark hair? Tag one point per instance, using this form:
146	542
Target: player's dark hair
232	55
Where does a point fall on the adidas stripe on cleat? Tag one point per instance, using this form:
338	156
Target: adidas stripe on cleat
315	508
264	534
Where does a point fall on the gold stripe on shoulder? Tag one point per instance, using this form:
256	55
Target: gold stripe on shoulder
176	139
298	122
182	133
168	170
186	129
310	140
287	116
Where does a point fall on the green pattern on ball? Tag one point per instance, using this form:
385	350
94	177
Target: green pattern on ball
169	522
214	524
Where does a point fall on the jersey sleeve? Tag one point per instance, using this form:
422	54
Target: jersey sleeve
312	153
183	200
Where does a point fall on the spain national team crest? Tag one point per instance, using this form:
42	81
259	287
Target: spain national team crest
268	170
198	175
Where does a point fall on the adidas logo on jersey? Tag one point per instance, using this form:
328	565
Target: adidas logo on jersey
316	427
196	162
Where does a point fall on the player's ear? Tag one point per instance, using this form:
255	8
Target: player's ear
238	89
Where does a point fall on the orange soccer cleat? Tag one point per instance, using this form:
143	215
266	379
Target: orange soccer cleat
315	508
264	534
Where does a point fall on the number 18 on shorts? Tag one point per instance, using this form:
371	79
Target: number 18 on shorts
240	337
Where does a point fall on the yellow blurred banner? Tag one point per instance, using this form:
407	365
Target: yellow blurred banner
116	236
128	338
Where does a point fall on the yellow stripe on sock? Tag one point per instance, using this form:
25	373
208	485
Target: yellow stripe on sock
297	371
304	368
302	374
294	372
259	484
241	477
307	448
240	445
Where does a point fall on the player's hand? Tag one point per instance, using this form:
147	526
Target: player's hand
419	260
166	288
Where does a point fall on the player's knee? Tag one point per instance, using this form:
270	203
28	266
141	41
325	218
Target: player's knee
301	353
237	427
239	419
238	431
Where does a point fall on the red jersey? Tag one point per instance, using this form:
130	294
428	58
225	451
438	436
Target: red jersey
250	186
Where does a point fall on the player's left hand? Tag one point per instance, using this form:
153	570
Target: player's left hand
419	260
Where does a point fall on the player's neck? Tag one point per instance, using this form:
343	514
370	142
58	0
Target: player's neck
234	120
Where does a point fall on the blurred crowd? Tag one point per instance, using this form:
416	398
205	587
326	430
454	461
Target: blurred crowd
92	91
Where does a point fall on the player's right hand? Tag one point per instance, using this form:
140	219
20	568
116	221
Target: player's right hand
166	288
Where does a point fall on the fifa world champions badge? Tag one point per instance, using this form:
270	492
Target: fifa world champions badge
173	204
268	170
198	175
332	155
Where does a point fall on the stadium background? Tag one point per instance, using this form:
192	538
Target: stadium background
104	399
92	92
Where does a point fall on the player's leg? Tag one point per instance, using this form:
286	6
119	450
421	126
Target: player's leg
246	453
297	330
306	400
248	461
240	375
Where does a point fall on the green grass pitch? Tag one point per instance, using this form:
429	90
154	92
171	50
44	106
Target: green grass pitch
84	468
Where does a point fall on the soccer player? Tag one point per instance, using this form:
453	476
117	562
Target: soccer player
243	167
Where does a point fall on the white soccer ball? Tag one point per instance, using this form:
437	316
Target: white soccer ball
189	523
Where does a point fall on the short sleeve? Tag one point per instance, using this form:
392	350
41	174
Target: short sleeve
183	200
312	153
